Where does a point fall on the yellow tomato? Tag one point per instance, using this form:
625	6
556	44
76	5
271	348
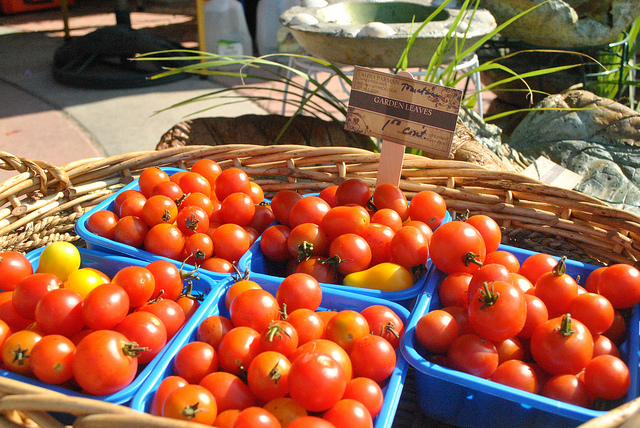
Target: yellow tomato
383	276
59	258
82	281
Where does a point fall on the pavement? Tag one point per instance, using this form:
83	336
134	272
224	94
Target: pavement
41	119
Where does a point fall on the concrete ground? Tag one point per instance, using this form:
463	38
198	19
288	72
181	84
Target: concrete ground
45	120
42	119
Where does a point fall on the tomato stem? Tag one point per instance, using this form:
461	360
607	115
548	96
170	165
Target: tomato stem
275	374
334	263
132	349
192	410
20	354
192	274
487	296
561	267
391	329
275	330
565	326
470	257
305	250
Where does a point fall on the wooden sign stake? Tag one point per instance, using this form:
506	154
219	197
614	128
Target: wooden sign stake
391	160
391	157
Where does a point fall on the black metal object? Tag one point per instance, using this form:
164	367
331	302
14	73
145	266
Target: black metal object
103	59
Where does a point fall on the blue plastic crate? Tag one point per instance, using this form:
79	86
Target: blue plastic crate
335	299
110	264
113	247
260	267
469	401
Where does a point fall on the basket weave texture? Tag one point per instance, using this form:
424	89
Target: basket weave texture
43	201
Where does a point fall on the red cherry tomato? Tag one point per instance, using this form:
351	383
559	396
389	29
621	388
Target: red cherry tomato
569	389
345	219
299	290
14	267
353	191
607	376
497	311
229	391
147	330
51	359
105	362
346	327
384	322
149	178
535	265
620	284
167	385
504	258
193	403
436	331
212	329
16	350
316	381
457	247
562	345
30	290
366	391
429	207
472	354
389	195
138	282
255	308
350	412
352	252
556	289
194	361
237	348
167	278
105	306
102	223
373	357
60	312
409	247
268	375
230	181
488	228
516	374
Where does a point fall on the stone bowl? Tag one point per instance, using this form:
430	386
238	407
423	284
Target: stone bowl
374	34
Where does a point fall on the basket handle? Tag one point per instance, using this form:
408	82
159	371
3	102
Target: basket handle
39	168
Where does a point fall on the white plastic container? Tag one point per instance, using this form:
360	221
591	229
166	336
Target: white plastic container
268	23
226	29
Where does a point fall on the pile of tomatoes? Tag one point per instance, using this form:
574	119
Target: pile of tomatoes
74	326
281	359
348	229
528	325
205	216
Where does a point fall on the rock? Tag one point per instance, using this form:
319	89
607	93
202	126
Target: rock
600	142
565	23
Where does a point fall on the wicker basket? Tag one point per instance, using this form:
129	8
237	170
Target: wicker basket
42	203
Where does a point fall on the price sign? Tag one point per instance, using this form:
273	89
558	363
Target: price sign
402	112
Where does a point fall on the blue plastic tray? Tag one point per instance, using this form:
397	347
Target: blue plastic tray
464	400
110	264
261	267
335	299
113	247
